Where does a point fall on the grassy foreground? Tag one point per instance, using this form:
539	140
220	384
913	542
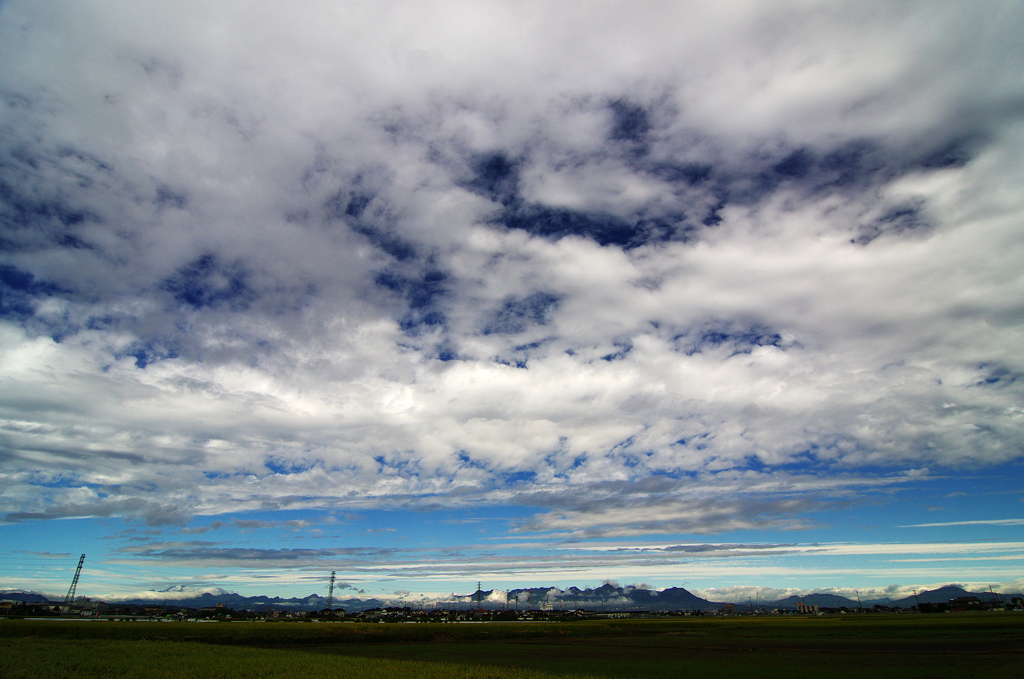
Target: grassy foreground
960	645
85	659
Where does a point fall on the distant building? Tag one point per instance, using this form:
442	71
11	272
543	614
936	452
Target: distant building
965	603
806	608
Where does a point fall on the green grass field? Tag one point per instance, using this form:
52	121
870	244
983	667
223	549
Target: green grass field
960	645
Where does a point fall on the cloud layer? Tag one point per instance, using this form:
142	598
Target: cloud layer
669	269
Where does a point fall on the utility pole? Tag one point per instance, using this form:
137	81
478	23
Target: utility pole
70	598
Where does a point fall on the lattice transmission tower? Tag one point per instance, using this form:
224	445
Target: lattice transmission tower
330	592
70	598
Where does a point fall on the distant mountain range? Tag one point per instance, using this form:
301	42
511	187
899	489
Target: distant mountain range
933	596
819	600
27	597
607	597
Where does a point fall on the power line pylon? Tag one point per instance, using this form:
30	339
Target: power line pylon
70	598
330	592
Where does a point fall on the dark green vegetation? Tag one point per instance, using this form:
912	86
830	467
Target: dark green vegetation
957	645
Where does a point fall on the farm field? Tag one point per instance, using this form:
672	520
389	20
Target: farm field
956	645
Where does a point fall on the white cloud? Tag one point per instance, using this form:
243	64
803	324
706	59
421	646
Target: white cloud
241	238
981	522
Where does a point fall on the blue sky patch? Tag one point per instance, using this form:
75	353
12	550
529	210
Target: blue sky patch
209	282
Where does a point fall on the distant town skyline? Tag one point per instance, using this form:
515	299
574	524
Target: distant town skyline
424	293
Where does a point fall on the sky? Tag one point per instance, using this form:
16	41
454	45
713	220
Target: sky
719	296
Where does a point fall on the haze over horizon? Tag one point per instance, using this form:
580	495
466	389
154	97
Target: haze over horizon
724	298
